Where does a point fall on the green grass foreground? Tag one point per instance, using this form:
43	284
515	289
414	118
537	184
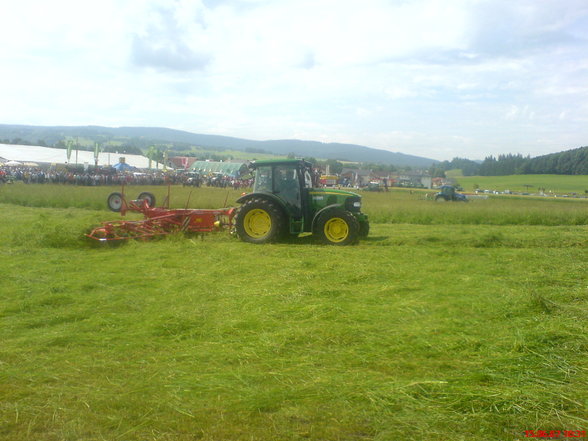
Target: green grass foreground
474	331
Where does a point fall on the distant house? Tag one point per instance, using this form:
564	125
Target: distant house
357	177
419	180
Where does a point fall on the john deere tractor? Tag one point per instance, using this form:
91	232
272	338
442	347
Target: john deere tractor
284	202
448	193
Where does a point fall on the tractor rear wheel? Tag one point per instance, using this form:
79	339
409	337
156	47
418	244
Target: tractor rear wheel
337	227
260	220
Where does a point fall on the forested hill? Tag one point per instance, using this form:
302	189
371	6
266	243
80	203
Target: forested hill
569	162
143	137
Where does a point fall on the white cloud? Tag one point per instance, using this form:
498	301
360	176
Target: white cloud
415	76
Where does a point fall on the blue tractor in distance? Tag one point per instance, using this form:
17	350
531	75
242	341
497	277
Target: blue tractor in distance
448	193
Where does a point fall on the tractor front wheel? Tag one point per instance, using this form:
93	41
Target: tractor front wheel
337	227
364	229
260	221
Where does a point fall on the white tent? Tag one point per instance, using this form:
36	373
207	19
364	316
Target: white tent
48	155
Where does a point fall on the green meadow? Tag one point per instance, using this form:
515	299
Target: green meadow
556	184
450	321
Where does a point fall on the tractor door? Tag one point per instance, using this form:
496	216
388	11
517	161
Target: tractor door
287	188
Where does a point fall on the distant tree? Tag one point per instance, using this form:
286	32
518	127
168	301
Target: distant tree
153	154
130	149
571	162
335	166
437	171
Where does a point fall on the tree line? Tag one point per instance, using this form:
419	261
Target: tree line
570	162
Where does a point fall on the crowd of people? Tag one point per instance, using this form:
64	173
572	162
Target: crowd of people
215	180
109	176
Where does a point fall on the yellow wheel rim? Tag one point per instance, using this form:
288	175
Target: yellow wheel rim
257	223
336	230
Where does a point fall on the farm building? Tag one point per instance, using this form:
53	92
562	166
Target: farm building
233	169
182	161
357	177
413	180
36	155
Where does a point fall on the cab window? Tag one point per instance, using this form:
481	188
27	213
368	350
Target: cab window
263	179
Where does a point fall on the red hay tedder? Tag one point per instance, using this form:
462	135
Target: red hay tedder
159	221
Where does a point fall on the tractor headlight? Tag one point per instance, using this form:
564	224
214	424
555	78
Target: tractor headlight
353	204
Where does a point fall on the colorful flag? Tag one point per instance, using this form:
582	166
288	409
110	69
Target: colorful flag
69	149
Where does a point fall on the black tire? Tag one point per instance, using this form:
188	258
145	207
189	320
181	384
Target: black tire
336	227
115	201
259	221
149	197
440	198
364	229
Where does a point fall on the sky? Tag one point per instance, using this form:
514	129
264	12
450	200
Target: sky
432	78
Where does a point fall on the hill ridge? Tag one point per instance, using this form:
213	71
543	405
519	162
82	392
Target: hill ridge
142	137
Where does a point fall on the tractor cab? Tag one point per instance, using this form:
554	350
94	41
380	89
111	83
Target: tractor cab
286	180
284	201
448	191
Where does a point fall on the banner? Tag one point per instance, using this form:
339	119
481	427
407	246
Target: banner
69	148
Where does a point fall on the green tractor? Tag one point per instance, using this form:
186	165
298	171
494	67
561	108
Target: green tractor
448	193
285	203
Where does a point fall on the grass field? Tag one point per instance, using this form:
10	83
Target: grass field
556	184
450	322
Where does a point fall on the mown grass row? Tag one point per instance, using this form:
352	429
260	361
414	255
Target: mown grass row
397	206
65	228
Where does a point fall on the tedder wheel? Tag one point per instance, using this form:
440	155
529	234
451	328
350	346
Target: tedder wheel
260	220
115	201
337	227
364	229
149	197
